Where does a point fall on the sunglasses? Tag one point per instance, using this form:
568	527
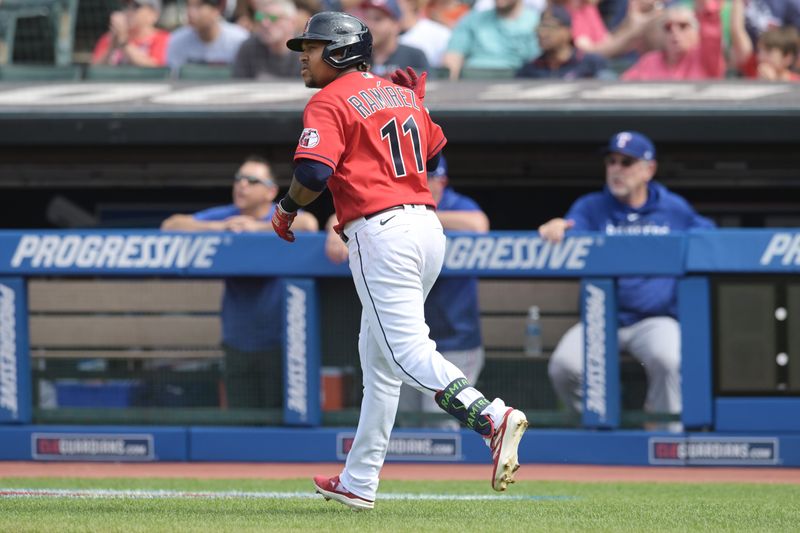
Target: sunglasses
625	161
670	25
260	16
252	180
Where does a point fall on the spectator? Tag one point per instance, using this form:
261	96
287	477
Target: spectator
497	38
451	309
251	331
774	53
207	39
635	34
560	59
264	54
692	47
132	37
777	54
382	17
630	204
421	32
588	28
761	15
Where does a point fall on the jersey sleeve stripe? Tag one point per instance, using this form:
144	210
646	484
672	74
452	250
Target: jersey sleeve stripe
437	148
311	155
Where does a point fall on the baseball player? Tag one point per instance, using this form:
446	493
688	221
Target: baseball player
370	141
630	204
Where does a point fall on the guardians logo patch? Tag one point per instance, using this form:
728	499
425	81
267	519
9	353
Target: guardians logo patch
309	138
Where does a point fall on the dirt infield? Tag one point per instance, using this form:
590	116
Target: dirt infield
530	472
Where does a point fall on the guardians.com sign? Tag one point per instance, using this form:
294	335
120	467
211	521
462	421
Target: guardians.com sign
411	447
713	451
91	447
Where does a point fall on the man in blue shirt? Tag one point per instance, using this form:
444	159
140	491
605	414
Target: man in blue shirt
251	333
630	204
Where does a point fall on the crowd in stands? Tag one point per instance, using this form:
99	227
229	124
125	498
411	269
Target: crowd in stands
636	40
558	39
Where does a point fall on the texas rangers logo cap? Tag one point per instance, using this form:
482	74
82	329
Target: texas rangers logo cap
633	144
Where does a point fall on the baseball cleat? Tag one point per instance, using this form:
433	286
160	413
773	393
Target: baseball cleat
332	489
504	444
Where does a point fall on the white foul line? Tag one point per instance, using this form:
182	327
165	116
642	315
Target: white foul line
156	494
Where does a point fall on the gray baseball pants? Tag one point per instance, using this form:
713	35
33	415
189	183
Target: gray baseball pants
655	342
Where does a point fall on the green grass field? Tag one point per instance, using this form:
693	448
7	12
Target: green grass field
547	506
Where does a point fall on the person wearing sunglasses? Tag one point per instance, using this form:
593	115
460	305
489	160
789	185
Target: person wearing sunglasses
264	54
132	37
251	337
631	203
691	48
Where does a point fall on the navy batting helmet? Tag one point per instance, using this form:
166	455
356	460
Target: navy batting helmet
347	37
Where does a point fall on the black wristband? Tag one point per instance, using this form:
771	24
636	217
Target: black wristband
289	205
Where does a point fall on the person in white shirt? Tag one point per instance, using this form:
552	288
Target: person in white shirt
421	32
207	39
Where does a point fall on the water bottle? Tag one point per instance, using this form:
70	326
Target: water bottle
533	333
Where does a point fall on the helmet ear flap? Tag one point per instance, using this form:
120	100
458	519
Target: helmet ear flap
341	52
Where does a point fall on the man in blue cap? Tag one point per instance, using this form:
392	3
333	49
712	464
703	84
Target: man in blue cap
630	204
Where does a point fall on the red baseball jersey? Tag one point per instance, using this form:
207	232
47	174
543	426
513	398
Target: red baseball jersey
377	137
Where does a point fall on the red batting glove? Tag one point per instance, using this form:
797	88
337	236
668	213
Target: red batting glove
411	81
282	222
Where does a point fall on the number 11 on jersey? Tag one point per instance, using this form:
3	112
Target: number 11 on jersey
389	131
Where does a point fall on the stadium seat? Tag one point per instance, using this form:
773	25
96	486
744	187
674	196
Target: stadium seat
40	73
620	65
487	73
205	72
126	72
37	31
439	73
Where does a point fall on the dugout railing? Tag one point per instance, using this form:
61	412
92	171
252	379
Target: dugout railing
43	300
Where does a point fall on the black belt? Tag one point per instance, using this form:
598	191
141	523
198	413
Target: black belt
382	211
393	208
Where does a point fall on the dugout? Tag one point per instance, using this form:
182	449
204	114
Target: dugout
128	154
122	155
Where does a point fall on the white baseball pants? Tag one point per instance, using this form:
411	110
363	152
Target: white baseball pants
395	258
